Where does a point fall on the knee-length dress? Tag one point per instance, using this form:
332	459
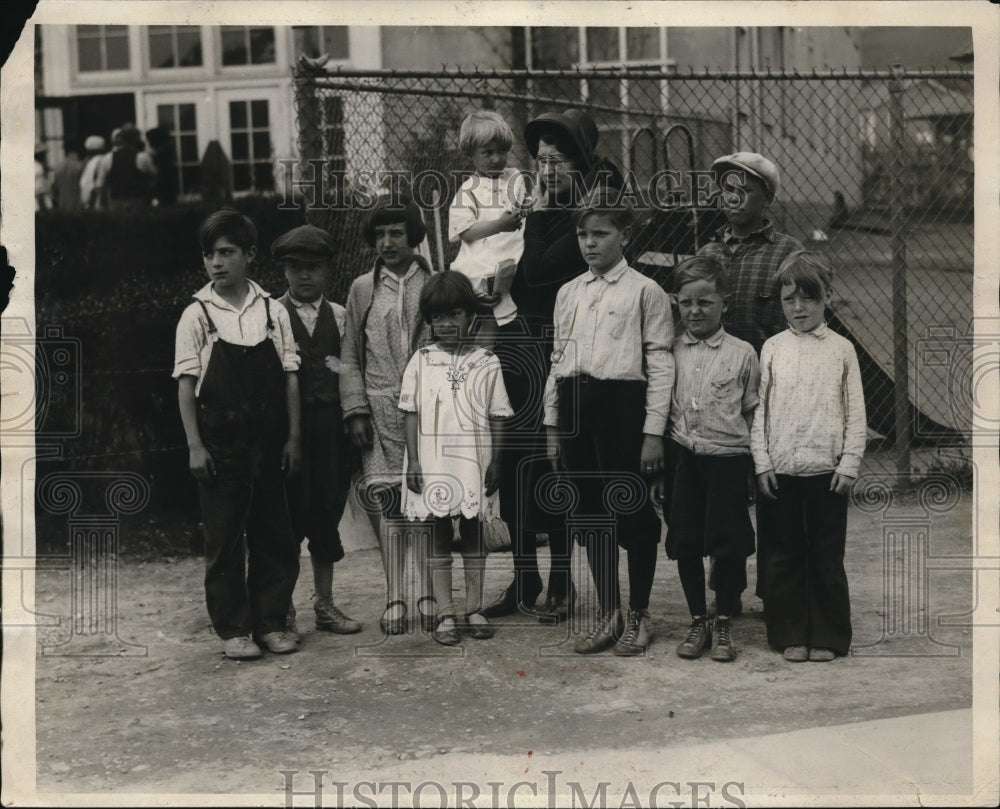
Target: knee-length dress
454	397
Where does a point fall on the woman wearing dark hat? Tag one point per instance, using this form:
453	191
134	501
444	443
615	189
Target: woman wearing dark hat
563	146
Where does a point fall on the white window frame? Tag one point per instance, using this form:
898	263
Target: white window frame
203	117
281	56
104	74
177	72
278	123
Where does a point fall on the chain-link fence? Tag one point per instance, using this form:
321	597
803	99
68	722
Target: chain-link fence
876	170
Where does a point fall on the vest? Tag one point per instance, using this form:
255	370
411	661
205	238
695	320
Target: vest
317	382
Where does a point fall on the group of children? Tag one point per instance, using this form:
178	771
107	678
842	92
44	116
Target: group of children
274	394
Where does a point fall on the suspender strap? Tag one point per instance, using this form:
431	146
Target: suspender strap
208	317
267	308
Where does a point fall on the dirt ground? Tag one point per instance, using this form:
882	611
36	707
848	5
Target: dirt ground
170	715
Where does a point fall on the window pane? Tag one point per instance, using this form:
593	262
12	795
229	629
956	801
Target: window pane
234	51
241	176
643	43
189	149
117	49
263	176
165	116
602	44
88	30
187	118
306	41
161	47
237	115
189	47
335	41
89	53
116	30
261	45
554	47
258	113
241	146
261	145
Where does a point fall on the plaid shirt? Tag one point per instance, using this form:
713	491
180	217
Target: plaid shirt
754	312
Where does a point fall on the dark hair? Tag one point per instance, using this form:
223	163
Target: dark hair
560	140
701	268
806	270
390	210
232	225
445	291
607	201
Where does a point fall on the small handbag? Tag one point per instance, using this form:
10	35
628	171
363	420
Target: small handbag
496	536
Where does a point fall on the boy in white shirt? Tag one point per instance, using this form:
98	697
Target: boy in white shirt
807	440
487	212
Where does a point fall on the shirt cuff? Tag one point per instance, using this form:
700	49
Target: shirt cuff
188	367
762	464
849	466
551	416
654	424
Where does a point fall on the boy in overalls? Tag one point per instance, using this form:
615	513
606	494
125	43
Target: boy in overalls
236	364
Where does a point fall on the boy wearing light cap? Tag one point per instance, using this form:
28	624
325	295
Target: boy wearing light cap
751	250
318	494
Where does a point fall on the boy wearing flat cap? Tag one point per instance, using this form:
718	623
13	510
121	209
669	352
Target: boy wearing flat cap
318	494
751	250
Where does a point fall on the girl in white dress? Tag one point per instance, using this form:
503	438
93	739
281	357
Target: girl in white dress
455	402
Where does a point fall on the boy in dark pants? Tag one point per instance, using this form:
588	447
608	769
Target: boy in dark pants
751	250
807	440
715	393
238	393
318	495
607	399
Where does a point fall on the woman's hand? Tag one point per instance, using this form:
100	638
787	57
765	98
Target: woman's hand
359	428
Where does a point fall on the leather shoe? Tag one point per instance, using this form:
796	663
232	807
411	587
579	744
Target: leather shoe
557	607
507	603
278	643
446	637
605	634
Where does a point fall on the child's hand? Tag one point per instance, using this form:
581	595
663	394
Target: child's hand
291	456
492	477
201	464
359	428
658	489
508	221
552	448
414	476
767	482
841	484
651	459
488	299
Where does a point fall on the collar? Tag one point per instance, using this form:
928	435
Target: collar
765	231
612	275
712	342
314	305
819	333
209	295
419	264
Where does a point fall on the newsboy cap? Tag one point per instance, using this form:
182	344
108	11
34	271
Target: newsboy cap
753	164
304	242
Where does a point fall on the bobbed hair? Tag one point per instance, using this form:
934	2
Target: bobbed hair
701	268
445	291
390	210
229	224
481	128
806	270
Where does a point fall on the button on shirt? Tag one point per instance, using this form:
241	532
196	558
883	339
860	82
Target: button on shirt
715	388
615	326
811	416
245	325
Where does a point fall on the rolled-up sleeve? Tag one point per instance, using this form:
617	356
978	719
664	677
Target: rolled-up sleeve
189	341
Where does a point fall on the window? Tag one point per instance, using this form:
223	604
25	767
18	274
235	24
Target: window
174	46
314	40
102	47
247	45
181	121
250	142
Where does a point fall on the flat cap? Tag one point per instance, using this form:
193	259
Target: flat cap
753	164
304	242
94	143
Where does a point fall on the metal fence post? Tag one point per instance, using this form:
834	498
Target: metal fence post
308	117
901	370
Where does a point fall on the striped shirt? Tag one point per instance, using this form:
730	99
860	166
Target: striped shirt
615	326
714	393
751	263
811	417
